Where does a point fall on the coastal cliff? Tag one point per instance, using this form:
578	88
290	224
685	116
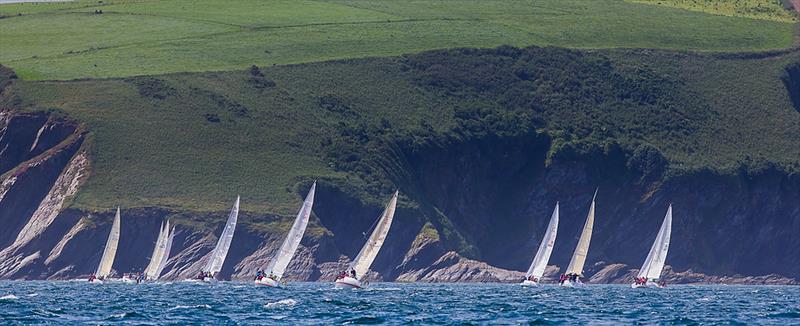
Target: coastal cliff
477	189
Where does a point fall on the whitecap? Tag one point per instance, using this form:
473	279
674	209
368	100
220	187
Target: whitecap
8	297
33	295
199	306
281	303
116	316
238	286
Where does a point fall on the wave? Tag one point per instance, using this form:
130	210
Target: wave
8	297
785	315
199	306
281	303
383	289
124	315
33	295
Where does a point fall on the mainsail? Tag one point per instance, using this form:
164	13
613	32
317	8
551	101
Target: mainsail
658	252
158	251
165	256
104	269
214	264
284	255
373	246
542	257
579	257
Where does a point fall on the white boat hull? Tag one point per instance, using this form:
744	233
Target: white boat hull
649	284
127	280
348	282
96	281
266	281
571	284
529	283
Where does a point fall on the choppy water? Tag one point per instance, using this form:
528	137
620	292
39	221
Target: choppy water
391	303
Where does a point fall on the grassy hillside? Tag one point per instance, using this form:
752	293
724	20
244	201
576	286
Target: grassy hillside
758	9
195	140
68	41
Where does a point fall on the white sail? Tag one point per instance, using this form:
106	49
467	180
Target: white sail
284	255
579	256
104	269
370	250
657	257
165	256
158	251
542	257
214	264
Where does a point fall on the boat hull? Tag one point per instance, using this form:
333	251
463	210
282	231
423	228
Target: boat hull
649	284
529	283
571	284
348	282
266	281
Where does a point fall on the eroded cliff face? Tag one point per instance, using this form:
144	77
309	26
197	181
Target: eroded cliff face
473	209
496	193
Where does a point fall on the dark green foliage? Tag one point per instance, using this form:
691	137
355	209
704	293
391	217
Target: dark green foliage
648	160
258	80
153	87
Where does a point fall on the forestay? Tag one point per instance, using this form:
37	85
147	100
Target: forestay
284	255
542	257
370	250
658	252
579	256
214	264
110	251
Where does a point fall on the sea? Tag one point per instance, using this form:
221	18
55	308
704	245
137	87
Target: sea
240	303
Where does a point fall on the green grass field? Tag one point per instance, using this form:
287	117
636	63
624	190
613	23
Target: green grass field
757	9
67	41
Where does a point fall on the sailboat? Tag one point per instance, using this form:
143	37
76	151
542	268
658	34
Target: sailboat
575	269
160	253
359	267
654	263
214	265
110	251
277	266
539	264
165	256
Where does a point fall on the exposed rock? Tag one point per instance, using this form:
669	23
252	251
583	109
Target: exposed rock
602	273
453	268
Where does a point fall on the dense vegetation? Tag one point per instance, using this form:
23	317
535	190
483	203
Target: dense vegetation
196	140
119	38
760	9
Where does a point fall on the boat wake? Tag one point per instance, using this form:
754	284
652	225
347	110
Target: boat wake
281	304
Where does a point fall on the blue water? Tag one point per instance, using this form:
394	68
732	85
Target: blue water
391	303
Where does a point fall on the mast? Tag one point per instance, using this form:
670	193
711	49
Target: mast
278	264
110	251
370	250
542	257
214	264
657	256
579	256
